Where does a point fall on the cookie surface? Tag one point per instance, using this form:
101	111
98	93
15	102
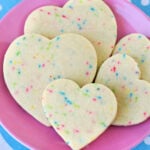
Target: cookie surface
93	19
32	61
138	47
122	75
79	116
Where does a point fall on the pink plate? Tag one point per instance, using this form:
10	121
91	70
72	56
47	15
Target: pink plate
28	130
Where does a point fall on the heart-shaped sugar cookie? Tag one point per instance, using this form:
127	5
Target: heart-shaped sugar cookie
137	46
79	115
33	61
121	74
93	19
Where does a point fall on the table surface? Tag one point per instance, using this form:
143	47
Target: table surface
7	142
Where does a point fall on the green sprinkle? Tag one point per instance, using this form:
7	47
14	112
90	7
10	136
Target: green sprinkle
103	124
18	53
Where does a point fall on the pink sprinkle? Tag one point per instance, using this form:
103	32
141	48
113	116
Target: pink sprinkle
13	68
129	123
123	44
64	16
16	92
63	125
43	65
87	73
118	62
27	90
41	10
93	121
58	128
50	91
94	99
49	13
78	19
148	47
129	39
113	69
145	114
87	63
146	92
76	131
50	115
90	112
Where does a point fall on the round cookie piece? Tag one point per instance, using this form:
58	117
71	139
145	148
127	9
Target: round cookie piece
122	75
79	116
137	46
93	19
33	61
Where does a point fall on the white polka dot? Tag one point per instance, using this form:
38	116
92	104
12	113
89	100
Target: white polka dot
145	2
1	7
147	140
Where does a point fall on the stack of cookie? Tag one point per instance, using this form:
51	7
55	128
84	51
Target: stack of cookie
68	72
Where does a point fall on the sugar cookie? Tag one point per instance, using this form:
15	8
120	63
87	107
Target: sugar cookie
79	116
137	46
93	19
121	74
32	61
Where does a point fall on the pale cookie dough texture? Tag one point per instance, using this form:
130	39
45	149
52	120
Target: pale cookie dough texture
33	61
122	75
137	46
92	19
79	115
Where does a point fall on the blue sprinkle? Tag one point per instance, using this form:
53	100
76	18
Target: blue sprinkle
90	66
87	90
71	7
124	78
57	46
98	89
117	74
10	61
69	102
62	93
67	143
62	30
131	95
57	38
99	97
124	55
65	98
58	76
92	9
84	22
55	122
17	43
39	65
139	36
119	49
142	61
79	27
39	40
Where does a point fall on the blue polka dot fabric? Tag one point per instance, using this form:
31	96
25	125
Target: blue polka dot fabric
143	5
7	142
